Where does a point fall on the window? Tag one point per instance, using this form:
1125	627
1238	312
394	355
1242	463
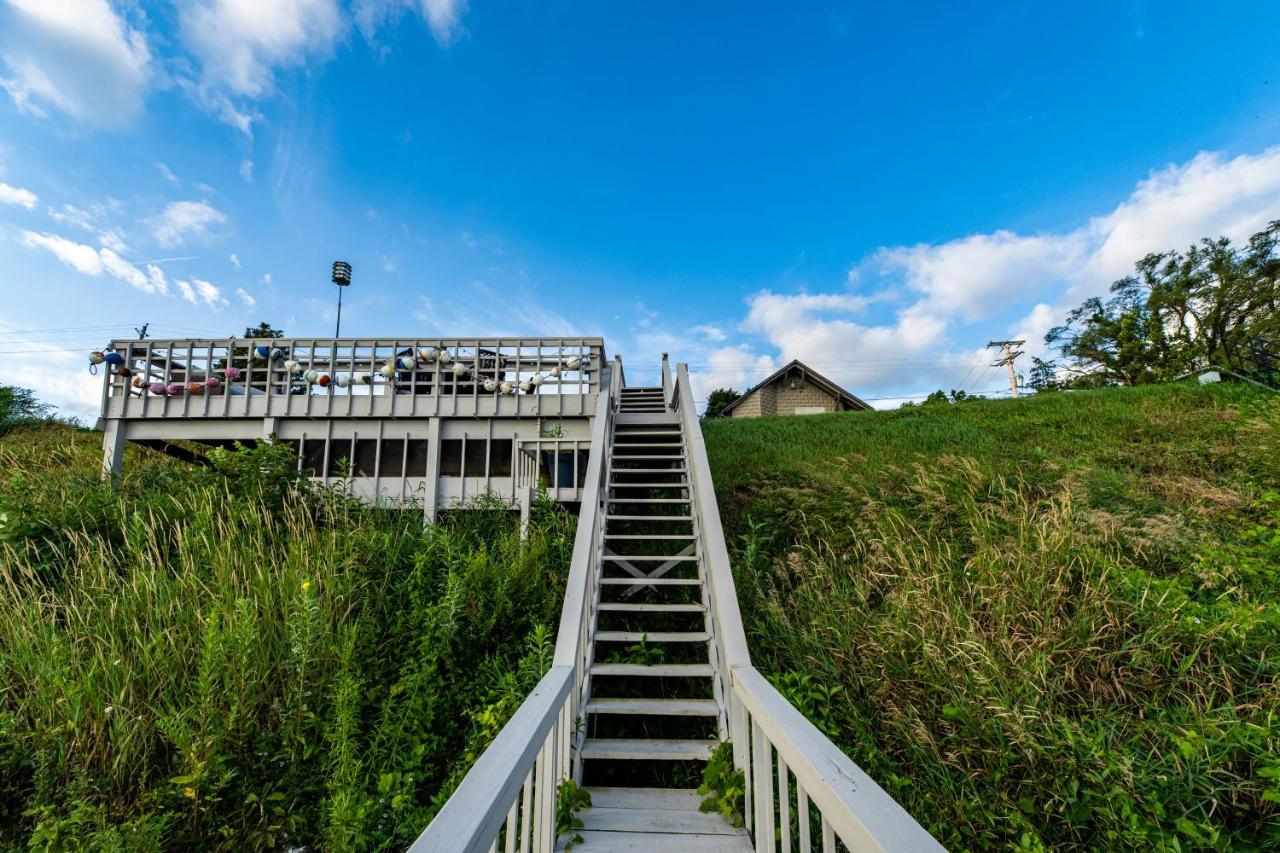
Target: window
313	456
500	457
339	457
810	410
416	464
451	457
392	462
366	458
477	452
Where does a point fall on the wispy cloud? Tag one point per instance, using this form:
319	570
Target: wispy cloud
246	298
183	221
77	57
17	196
444	17
94	262
197	290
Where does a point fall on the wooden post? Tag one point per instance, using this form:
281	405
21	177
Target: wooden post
113	441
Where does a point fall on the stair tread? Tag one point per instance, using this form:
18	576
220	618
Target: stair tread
648	500
653	536
617	485
657	670
674	558
643	749
648	518
672	799
652	582
659	707
626	607
652	636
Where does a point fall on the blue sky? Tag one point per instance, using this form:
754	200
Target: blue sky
876	188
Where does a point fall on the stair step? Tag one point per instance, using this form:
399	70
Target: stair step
657	670
681	470
666	558
648	518
670	799
634	581
656	707
626	607
642	749
649	501
617	485
652	636
653	536
623	429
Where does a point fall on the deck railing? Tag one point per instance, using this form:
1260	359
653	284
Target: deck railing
790	767
351	377
507	800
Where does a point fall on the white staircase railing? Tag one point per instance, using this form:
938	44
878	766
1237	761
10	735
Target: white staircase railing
508	799
509	795
764	725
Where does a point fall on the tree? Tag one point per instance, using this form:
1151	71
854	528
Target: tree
19	406
1215	304
718	400
263	330
1044	376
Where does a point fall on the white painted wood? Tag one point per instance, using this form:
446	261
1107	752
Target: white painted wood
860	812
657	707
656	820
486	792
621	607
802	812
634	581
630	842
675	799
671	670
652	636
784	806
647	749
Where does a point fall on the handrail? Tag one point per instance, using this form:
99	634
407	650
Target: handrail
667	387
761	721
512	786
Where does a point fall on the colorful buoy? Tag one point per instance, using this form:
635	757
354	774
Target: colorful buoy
137	381
313	376
121	370
156	388
323	380
407	363
233	373
97	357
262	352
113	358
507	388
388	370
195	388
174	389
277	354
212	382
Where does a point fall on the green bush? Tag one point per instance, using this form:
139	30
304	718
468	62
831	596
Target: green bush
1044	623
229	659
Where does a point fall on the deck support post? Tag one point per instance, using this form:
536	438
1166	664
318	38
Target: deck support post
113	441
429	508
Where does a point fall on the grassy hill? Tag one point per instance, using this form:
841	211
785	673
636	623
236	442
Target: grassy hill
1050	622
228	660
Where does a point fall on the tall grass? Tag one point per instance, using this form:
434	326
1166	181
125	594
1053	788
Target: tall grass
1049	623
229	660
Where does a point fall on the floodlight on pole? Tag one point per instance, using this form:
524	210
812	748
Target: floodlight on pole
342	278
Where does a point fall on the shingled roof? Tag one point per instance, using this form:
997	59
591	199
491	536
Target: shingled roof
809	374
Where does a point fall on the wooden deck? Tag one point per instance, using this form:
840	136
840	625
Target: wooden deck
651	820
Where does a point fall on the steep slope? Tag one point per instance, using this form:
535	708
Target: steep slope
1050	621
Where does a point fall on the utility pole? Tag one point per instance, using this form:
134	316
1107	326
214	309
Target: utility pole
1007	356
142	333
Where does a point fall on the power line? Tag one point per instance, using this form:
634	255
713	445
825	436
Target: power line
1007	357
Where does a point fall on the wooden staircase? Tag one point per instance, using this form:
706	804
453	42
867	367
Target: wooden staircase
653	717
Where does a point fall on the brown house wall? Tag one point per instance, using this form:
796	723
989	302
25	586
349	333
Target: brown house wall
778	398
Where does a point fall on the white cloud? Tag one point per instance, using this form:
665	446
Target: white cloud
235	260
168	174
246	298
209	293
388	264
17	196
184	220
246	171
78	57
94	262
239	43
444	17
952	289
186	291
710	332
110	238
266	278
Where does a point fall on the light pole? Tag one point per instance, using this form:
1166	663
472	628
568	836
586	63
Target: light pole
342	278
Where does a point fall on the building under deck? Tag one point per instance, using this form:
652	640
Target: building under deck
406	422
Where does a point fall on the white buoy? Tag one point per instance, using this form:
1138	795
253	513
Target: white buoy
573	363
313	376
293	367
555	371
427	354
361	379
536	380
459	369
490	385
388	370
344	380
507	388
407	363
526	387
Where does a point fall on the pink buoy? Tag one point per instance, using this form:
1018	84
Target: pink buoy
156	388
233	373
174	389
212	382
